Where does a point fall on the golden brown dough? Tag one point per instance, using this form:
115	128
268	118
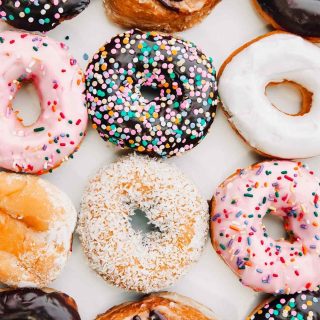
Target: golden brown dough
160	306
161	15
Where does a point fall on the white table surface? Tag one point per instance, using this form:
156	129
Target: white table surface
231	24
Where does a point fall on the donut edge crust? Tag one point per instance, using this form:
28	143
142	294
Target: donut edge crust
152	15
153	299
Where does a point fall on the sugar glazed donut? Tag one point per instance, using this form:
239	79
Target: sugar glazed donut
39	15
243	79
183	78
299	17
36	225
36	304
61	126
282	188
147	261
161	306
303	305
162	15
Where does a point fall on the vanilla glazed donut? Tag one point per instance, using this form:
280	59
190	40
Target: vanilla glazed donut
160	306
37	221
299	306
129	258
243	79
162	15
296	16
36	304
39	15
61	126
183	78
282	188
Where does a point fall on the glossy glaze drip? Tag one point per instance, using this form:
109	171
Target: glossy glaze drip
35	304
296	16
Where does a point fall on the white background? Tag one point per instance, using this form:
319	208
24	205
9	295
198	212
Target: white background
230	25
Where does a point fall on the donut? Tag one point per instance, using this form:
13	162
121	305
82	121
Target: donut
61	126
36	225
180	75
285	189
162	15
299	17
160	306
36	304
243	79
147	261
303	305
39	15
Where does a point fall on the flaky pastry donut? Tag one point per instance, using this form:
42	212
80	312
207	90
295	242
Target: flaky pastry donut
161	306
36	225
161	15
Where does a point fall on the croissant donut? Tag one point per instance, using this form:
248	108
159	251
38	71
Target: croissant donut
161	306
162	15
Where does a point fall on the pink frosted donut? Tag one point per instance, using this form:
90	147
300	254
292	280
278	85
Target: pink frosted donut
60	83
282	188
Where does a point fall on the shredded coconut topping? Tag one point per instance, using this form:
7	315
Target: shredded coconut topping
131	259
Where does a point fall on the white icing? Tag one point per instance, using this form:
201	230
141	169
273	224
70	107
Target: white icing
277	57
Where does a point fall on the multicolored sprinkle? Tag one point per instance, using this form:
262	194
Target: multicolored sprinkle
182	77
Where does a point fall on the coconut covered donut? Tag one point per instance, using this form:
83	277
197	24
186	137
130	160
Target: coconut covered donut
36	225
127	257
59	81
243	79
39	15
282	188
180	75
36	304
163	15
296	16
161	306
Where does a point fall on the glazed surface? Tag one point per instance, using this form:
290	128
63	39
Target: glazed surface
281	188
304	305
57	133
180	75
39	15
35	304
296	16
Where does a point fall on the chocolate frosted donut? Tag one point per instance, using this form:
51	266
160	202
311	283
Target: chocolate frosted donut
39	15
299	306
180	75
36	304
296	16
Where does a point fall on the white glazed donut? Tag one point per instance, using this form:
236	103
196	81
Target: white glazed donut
60	128
273	58
131	259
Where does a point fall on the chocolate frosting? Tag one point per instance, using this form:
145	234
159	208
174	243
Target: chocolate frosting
296	16
35	304
296	306
28	15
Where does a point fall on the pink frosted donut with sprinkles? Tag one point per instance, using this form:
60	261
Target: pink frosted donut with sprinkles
282	188
61	126
181	77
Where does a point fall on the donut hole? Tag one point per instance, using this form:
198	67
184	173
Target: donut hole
26	104
289	97
150	93
140	222
275	226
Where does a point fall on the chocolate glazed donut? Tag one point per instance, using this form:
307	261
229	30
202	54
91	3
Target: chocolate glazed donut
41	15
296	16
36	304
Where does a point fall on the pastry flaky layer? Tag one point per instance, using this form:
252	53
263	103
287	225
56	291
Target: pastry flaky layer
161	15
160	306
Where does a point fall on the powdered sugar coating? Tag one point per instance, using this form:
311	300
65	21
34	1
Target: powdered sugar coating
128	258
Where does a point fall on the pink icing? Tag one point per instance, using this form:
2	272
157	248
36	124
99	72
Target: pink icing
285	189
59	80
